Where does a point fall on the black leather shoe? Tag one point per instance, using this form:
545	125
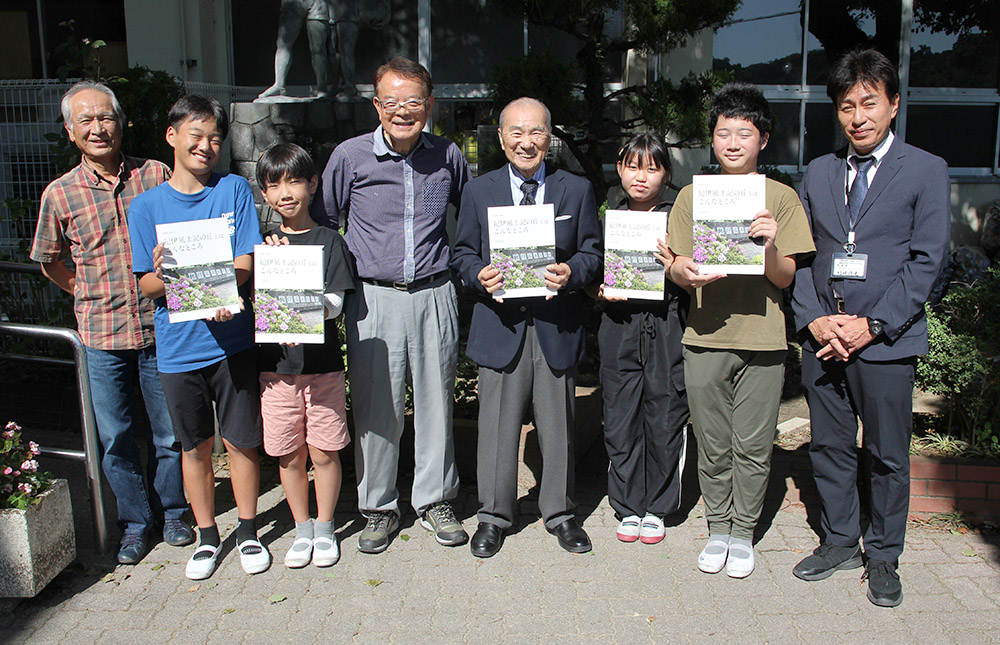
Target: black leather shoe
571	536
827	559
177	533
132	548
884	587
487	540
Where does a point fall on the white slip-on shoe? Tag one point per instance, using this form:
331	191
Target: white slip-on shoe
713	557
628	529
299	554
652	530
203	567
740	562
326	551
253	556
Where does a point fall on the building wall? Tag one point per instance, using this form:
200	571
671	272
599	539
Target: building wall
157	40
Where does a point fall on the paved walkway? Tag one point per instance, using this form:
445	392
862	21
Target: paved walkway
532	591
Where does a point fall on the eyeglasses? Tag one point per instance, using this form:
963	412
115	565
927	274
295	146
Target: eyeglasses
411	105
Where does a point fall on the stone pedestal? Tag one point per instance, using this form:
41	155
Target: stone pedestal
316	124
36	543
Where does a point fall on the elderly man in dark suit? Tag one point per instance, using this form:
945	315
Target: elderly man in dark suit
881	221
527	350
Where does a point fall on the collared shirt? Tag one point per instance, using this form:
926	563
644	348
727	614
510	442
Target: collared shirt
396	205
83	215
878	153
516	180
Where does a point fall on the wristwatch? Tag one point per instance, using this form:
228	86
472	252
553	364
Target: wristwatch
875	327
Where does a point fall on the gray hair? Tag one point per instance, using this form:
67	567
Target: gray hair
67	112
526	101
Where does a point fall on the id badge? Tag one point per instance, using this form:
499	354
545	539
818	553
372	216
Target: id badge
850	266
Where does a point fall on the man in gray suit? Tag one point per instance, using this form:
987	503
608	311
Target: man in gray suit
881	220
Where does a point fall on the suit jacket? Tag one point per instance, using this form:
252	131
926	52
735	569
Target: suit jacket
905	228
497	329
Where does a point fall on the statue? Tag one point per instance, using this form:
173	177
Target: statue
346	20
315	14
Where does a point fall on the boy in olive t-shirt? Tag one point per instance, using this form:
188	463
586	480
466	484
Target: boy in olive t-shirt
734	345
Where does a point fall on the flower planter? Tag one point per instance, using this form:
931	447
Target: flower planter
36	543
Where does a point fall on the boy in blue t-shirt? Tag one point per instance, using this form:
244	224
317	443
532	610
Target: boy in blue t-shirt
206	361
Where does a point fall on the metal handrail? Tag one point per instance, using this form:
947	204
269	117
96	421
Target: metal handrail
91	454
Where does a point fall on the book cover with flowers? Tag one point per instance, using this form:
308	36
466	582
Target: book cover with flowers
288	294
522	244
631	269
198	272
724	206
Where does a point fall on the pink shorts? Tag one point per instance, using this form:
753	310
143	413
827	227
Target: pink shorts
303	408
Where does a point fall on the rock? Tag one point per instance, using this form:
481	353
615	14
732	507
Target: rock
241	138
991	231
943	281
264	136
292	114
321	115
250	113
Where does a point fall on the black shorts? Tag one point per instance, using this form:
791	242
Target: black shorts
233	385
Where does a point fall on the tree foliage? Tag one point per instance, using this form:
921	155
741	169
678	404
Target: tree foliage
574	92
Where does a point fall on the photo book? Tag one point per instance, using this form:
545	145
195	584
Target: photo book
522	244
723	207
198	273
288	294
631	269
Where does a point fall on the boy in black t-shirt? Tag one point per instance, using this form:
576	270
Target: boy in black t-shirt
302	387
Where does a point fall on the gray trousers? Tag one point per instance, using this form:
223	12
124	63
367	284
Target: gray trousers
734	396
392	336
504	396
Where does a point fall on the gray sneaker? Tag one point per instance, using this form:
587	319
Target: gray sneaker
375	537
440	519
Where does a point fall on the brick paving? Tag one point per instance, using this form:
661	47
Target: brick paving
532	591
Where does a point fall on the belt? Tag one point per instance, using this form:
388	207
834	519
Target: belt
406	286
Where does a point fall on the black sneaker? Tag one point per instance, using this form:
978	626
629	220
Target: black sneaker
827	559
884	587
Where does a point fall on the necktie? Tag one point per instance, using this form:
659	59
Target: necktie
529	188
859	188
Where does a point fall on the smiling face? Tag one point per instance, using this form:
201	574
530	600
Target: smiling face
403	126
642	181
196	143
525	137
737	144
865	114
94	127
290	197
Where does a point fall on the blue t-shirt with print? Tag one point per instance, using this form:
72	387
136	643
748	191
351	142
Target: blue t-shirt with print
191	345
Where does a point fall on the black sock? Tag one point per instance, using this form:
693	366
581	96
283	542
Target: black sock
210	537
247	530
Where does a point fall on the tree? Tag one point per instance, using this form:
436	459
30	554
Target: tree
574	92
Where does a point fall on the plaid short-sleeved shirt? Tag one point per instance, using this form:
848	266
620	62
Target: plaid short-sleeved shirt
84	216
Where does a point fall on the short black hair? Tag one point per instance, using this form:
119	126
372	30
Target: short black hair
284	161
193	106
647	145
741	101
868	67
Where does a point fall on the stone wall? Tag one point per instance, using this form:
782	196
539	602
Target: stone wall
317	125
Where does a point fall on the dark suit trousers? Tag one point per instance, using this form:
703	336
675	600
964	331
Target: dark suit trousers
881	394
645	413
504	396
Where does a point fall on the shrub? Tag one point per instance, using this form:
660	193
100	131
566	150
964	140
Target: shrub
21	482
964	360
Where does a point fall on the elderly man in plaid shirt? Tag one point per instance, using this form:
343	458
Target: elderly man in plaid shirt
83	215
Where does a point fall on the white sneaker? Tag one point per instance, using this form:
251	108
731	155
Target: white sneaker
652	530
713	557
326	551
254	560
298	558
740	562
203	567
628	529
